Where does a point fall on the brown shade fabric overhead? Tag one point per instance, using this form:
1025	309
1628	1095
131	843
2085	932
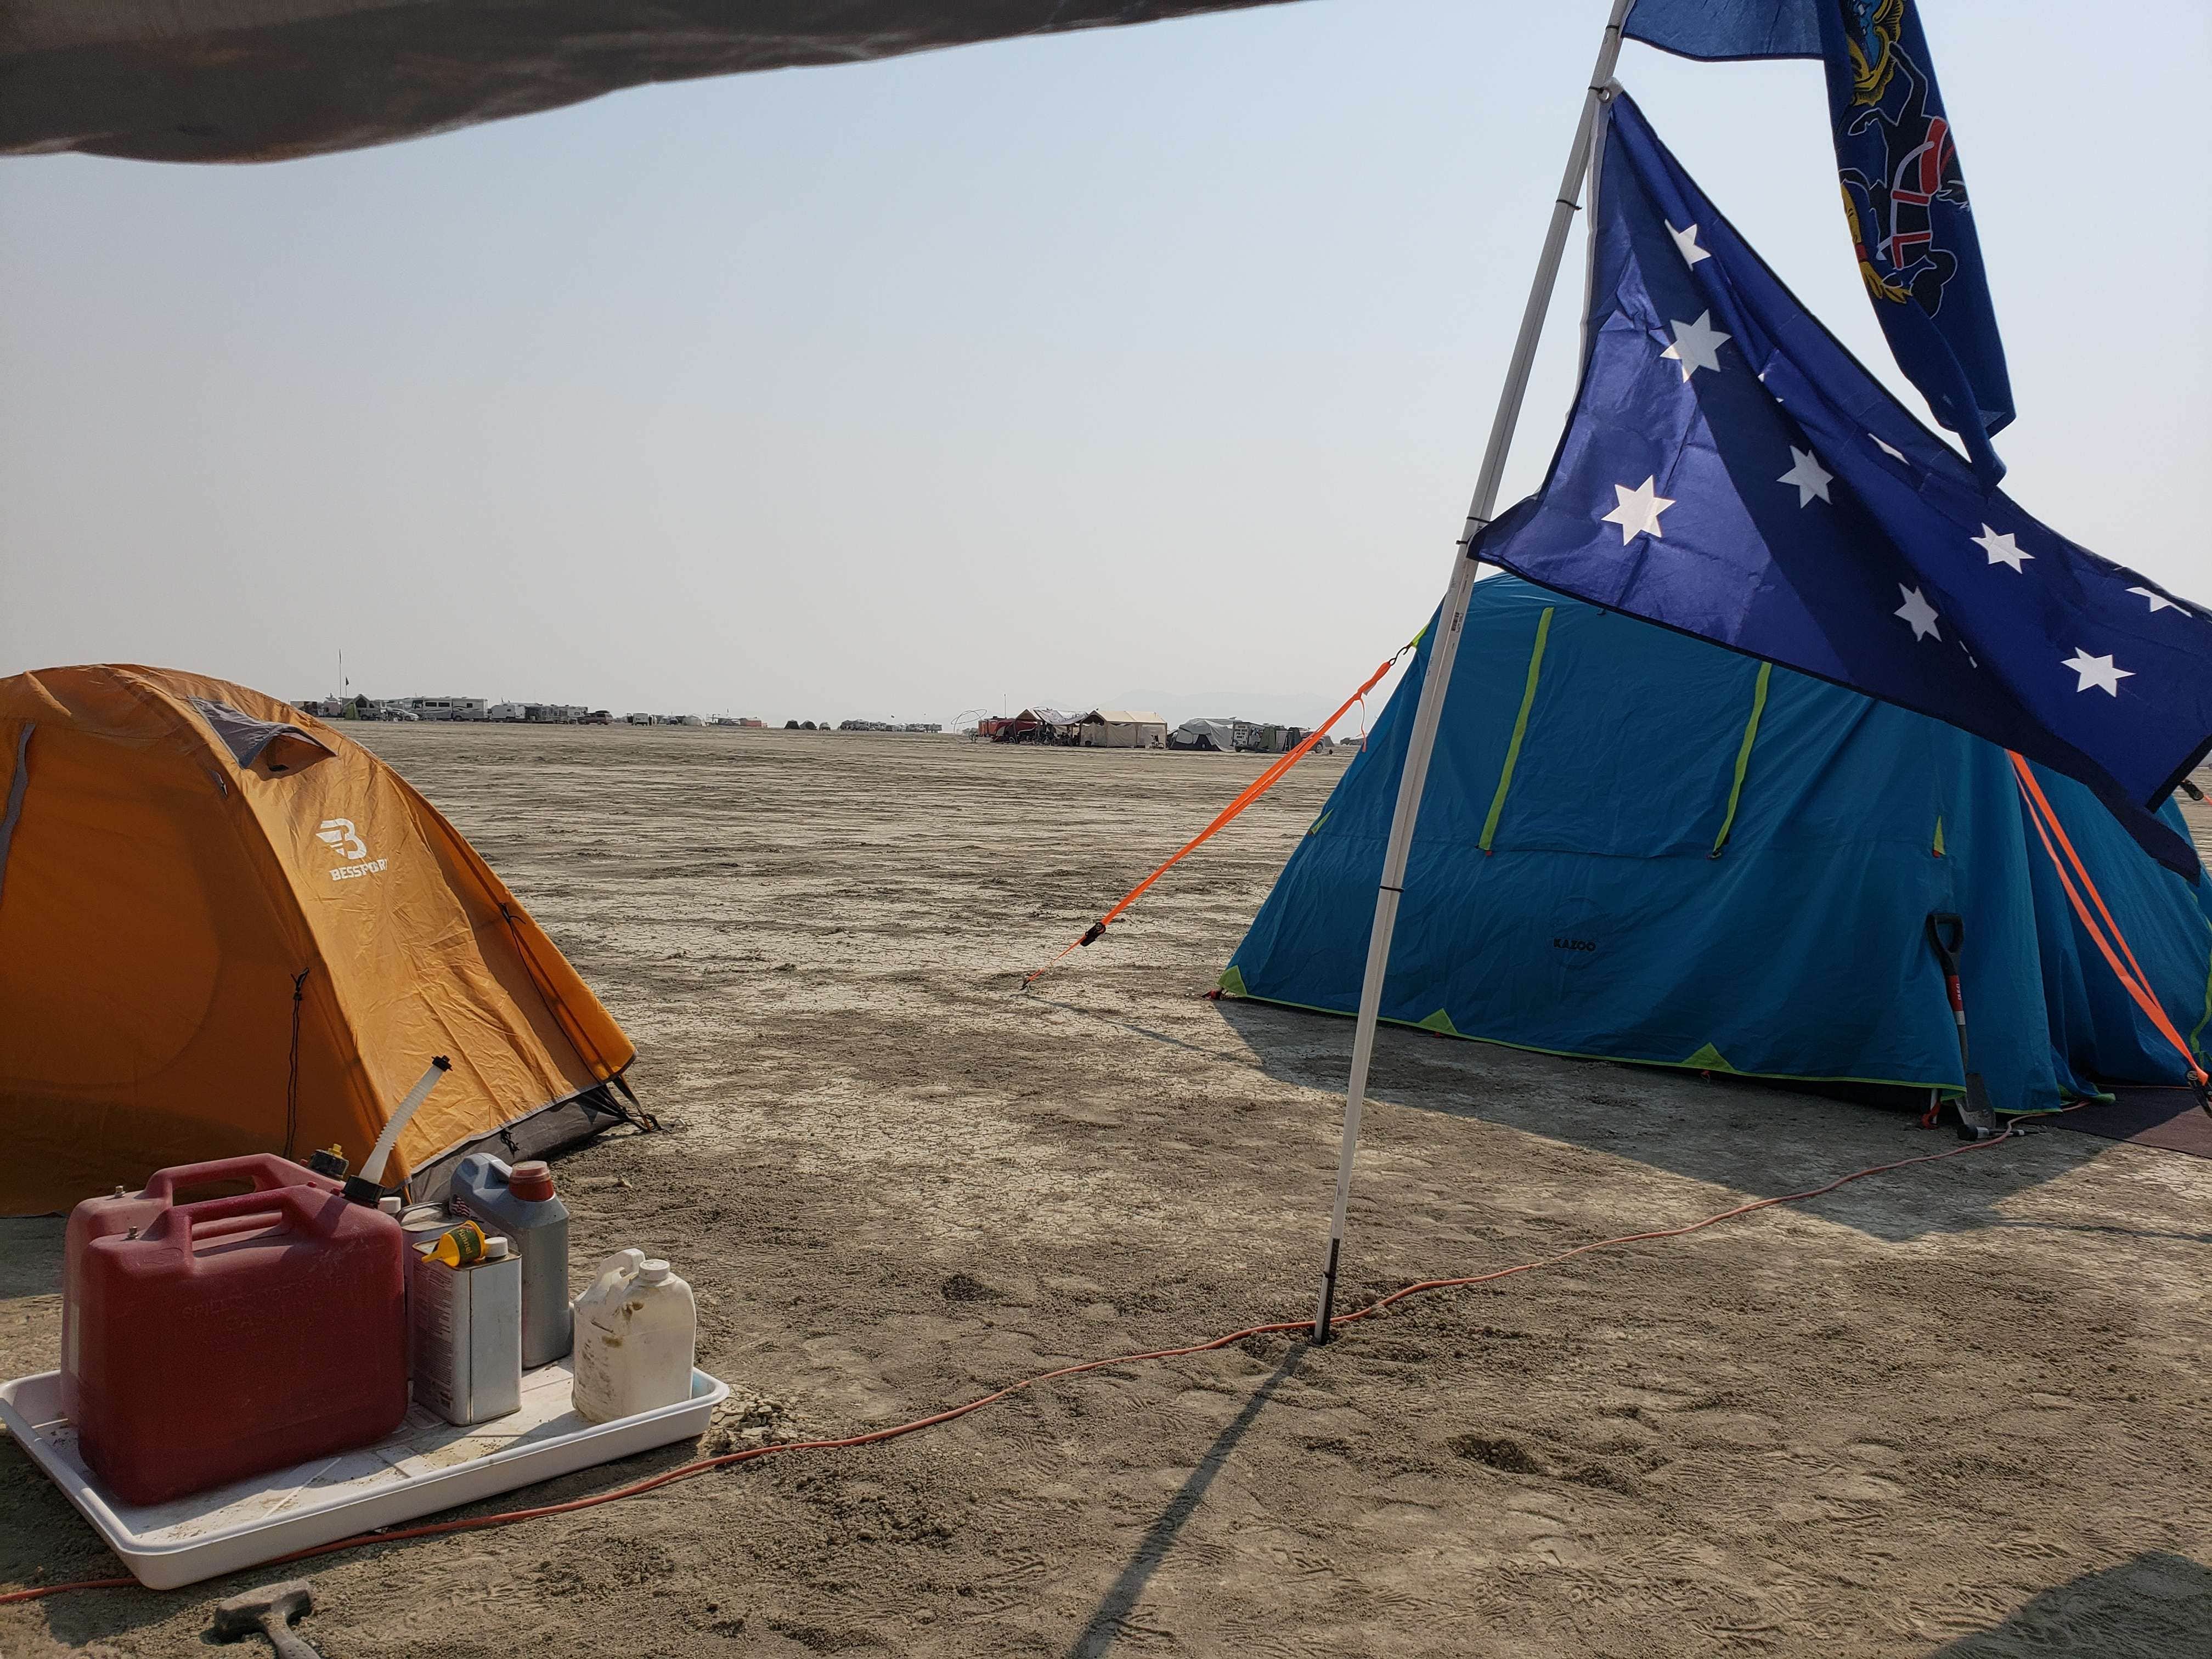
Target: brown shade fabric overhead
268	80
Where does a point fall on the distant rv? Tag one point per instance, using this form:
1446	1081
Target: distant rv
453	709
448	708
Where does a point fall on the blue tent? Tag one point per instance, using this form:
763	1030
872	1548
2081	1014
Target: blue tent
1639	847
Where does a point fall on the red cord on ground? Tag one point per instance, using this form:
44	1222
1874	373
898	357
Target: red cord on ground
753	1453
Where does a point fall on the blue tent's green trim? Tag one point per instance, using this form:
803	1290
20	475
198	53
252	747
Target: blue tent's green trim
1800	953
1520	729
1694	1064
1743	754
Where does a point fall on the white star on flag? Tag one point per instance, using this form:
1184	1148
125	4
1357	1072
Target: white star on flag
1917	611
1808	475
2157	601
1696	345
1888	450
2002	550
1687	240
1638	511
2098	671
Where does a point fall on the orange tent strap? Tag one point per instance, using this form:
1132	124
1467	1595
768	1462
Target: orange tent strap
1252	792
2039	809
2034	789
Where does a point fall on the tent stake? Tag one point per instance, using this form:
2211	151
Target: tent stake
1445	646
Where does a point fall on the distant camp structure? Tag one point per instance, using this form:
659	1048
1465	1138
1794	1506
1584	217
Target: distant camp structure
1122	728
1125	728
1235	736
1032	726
451	709
478	710
226	927
1043	726
1207	737
1637	845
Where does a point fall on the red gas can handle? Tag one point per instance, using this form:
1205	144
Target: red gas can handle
265	1170
309	1209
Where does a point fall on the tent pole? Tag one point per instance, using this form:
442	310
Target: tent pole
1445	646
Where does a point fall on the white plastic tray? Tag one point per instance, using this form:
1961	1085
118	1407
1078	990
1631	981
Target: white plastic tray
427	1464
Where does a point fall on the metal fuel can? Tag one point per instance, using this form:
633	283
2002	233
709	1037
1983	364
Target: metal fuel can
467	1329
422	1225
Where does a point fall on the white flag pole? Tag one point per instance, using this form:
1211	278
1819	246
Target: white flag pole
1445	646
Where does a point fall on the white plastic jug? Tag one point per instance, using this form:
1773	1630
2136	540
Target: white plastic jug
636	1328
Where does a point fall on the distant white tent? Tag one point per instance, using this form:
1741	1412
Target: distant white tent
1217	736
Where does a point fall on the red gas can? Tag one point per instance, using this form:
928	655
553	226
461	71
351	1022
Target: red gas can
236	1335
119	1212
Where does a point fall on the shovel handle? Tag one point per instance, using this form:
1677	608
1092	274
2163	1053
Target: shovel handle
1948	933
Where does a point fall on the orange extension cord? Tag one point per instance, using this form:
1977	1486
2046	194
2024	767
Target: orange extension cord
752	1454
1259	786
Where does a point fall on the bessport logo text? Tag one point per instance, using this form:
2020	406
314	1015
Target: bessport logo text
340	836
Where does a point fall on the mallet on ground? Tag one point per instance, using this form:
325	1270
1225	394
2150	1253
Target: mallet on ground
268	1612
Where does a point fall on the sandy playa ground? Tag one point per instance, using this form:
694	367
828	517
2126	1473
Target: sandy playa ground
1959	1410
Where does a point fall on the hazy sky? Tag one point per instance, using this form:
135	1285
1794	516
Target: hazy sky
1155	358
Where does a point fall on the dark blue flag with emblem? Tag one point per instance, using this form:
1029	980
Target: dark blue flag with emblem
1911	227
1731	471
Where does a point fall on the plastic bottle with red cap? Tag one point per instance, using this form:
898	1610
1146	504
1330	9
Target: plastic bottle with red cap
518	1203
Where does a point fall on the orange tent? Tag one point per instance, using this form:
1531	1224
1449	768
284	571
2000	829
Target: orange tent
225	927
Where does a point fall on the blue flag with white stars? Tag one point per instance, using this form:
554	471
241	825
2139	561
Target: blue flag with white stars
1904	198
1731	471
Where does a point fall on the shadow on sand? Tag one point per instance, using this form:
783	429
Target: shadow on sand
1747	1137
2156	1604
1108	1622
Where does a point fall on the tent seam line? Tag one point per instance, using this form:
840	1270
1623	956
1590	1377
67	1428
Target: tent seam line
1519	730
1743	755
